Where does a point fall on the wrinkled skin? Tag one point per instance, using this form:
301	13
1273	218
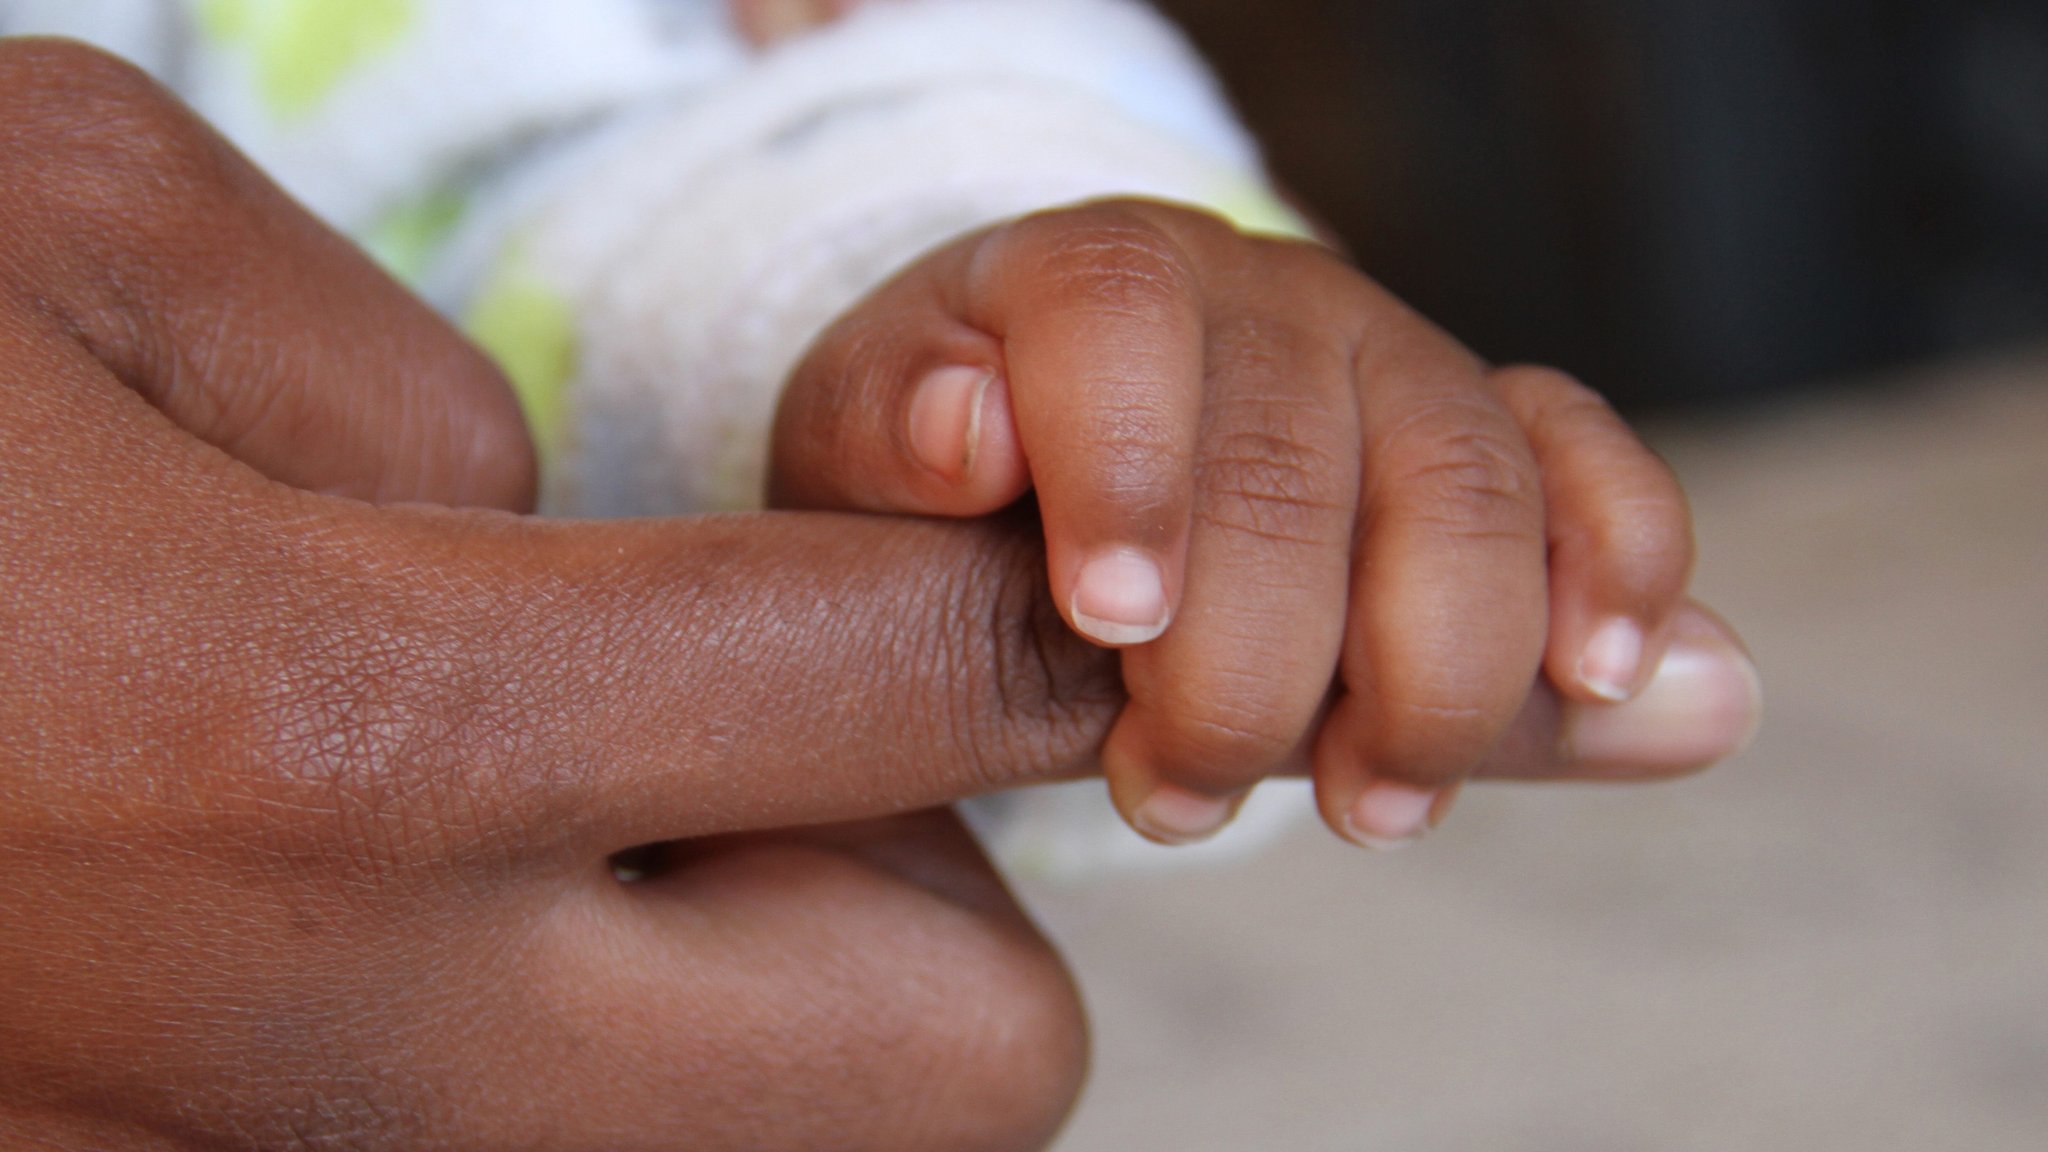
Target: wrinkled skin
308	787
316	754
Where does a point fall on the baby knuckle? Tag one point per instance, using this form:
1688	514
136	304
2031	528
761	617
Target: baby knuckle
1275	357
1431	731
1235	709
1100	257
1123	467
1232	738
1275	484
1652	533
1462	474
1436	715
1478	479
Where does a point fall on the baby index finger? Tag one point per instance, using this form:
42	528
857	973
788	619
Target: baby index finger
901	406
1100	312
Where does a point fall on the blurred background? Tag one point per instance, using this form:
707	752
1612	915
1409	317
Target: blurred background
1683	200
1805	243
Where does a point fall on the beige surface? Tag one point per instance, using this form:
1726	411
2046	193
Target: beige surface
1838	942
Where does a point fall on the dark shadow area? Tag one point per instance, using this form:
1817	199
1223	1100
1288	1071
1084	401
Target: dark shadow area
1682	201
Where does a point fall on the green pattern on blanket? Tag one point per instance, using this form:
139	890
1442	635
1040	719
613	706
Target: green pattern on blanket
406	239
304	49
530	330
1256	211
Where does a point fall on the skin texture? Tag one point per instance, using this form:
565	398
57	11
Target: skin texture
1371	541
306	799
1274	434
315	754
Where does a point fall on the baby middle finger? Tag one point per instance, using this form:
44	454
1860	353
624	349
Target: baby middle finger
1228	695
1449	588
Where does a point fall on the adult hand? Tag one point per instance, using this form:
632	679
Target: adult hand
310	783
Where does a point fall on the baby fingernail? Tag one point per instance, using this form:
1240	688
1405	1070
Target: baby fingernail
1702	705
1612	660
945	419
1177	816
1120	599
1390	816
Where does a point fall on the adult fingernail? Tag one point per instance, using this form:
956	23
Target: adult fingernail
1386	817
1612	660
1177	816
1703	704
1120	599
945	419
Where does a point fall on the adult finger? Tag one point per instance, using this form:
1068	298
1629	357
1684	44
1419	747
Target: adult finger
1620	531
866	987
209	292
1702	703
611	684
1449	589
605	684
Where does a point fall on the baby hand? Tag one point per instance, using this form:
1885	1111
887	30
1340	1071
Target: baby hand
1324	534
